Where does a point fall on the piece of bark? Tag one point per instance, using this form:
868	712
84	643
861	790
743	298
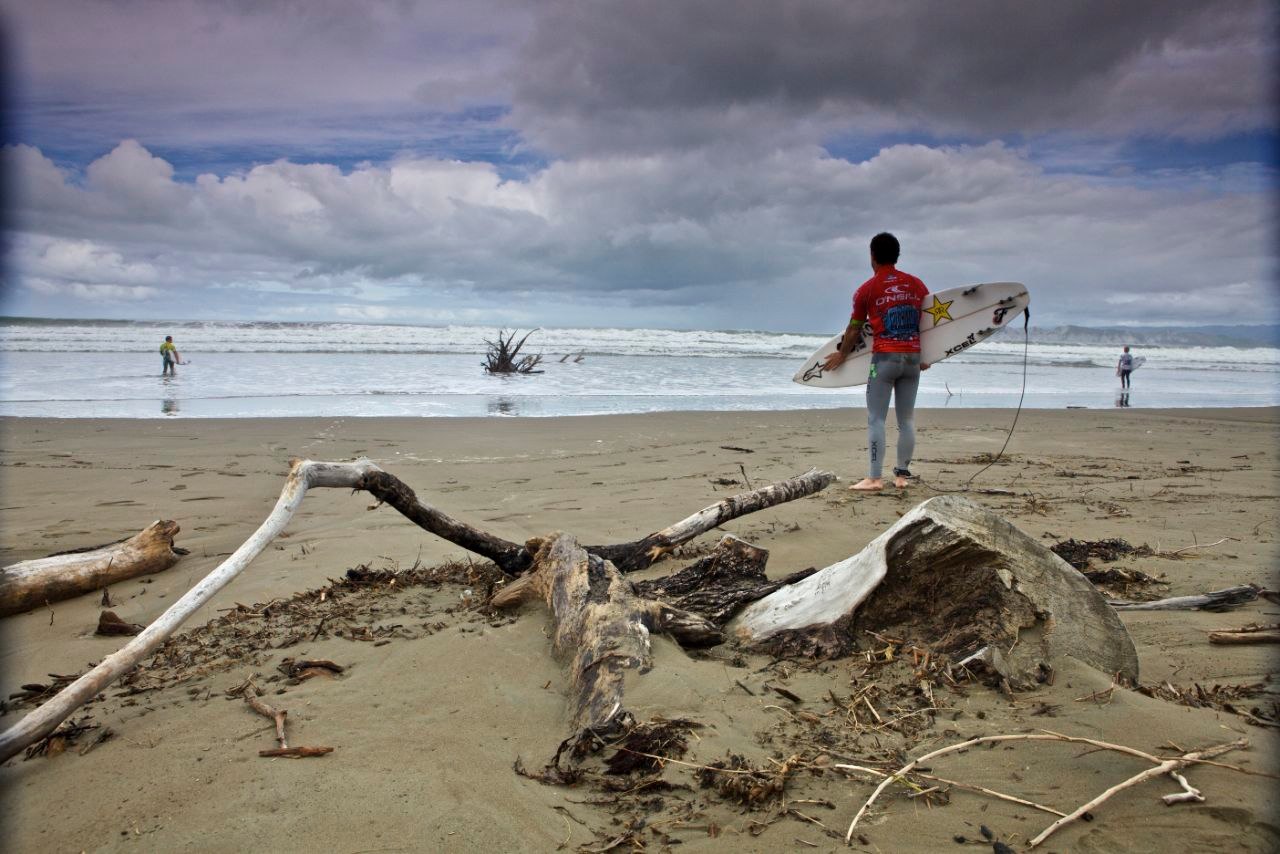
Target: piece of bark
718	585
600	625
109	623
642	553
34	583
951	576
1217	600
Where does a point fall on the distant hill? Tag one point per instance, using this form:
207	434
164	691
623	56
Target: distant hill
1261	335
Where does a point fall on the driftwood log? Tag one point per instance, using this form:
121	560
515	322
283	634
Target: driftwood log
35	583
602	625
1217	600
954	576
363	474
642	553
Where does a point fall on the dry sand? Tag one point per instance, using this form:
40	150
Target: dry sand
426	728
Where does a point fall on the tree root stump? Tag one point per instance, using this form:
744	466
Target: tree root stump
954	577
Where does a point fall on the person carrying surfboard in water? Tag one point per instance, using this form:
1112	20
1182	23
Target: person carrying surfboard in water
169	354
1124	367
890	301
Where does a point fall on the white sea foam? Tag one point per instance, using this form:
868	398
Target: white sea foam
108	368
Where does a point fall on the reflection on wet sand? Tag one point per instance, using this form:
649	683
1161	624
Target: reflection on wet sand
503	406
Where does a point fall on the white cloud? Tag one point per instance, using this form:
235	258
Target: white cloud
681	238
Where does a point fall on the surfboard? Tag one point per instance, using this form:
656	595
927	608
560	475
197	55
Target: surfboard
951	322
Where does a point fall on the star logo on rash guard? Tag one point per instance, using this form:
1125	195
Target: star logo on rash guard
940	310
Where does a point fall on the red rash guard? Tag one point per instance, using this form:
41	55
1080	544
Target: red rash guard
890	301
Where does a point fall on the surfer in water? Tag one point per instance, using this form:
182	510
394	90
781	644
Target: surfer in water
890	301
169	354
1124	367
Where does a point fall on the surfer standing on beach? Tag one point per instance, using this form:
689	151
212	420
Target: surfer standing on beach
169	353
890	302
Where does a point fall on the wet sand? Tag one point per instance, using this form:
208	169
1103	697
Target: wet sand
426	728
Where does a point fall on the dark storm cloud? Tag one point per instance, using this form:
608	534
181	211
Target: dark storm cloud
616	74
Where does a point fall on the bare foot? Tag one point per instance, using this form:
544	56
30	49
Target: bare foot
868	484
900	481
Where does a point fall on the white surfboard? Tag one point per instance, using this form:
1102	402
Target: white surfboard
951	322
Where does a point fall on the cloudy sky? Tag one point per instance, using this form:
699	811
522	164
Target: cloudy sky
673	163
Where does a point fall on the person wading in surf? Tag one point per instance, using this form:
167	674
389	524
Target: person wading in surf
169	356
890	302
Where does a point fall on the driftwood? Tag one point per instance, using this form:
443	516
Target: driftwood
503	356
363	474
642	553
953	576
720	584
279	716
1245	636
1163	766
1218	600
34	583
602	624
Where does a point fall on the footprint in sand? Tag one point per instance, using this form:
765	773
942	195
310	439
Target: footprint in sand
204	498
122	502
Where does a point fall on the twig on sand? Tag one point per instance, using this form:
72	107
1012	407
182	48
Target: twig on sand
1163	766
250	693
1166	767
971	787
1177	552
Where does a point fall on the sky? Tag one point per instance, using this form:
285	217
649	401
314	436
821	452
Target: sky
714	164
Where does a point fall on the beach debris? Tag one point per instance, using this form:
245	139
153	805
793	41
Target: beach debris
35	583
720	584
302	669
503	356
365	475
603	626
950	576
1217	600
1162	766
65	736
109	623
250	693
751	786
1253	633
1226	698
1080	553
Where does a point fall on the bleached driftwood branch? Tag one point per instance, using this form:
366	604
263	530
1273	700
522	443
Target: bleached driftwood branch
303	475
1163	766
364	474
33	583
628	557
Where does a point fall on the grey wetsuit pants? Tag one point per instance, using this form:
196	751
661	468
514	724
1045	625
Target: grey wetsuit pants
895	375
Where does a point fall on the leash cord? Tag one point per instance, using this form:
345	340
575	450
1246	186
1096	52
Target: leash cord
1026	343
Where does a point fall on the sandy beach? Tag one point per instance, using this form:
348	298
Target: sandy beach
426	728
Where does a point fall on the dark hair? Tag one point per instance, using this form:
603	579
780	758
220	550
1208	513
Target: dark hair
884	248
168	337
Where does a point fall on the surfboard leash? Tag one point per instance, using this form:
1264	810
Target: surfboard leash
1026	343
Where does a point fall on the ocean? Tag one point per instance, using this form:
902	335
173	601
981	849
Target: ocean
111	369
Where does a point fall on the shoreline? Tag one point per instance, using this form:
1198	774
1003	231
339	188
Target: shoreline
430	726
